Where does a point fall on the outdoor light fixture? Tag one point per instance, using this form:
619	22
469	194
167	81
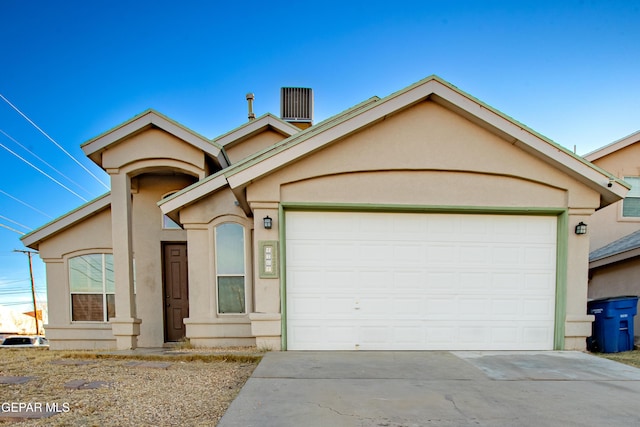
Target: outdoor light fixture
268	222
581	228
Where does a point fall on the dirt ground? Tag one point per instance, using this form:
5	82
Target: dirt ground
185	388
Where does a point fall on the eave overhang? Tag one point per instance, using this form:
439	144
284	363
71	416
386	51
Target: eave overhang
33	239
146	120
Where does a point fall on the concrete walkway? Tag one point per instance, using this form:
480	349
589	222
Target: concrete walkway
408	389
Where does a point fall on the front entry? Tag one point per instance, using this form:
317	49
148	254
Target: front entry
176	290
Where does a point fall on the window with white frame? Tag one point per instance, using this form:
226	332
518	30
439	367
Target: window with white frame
631	203
92	288
230	268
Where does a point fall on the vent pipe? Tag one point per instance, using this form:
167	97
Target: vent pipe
250	98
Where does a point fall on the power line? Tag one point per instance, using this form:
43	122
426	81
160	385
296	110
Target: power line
52	140
12	229
43	161
15	222
25	204
44	173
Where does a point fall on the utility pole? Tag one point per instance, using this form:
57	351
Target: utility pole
33	287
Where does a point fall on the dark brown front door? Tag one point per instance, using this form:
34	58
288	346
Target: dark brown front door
176	290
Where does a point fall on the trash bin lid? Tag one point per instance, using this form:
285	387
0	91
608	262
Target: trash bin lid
618	298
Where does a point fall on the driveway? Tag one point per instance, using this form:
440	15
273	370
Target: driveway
393	389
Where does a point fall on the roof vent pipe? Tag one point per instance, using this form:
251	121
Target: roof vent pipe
250	98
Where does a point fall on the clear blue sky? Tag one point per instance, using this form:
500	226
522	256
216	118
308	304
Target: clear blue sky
568	69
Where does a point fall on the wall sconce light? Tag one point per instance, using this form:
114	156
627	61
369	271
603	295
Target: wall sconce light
268	222
581	228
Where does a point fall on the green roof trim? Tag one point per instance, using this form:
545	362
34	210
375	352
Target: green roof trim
157	113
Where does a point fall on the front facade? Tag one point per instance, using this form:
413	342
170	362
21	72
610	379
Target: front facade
614	260
423	220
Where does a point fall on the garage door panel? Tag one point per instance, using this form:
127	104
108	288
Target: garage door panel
420	281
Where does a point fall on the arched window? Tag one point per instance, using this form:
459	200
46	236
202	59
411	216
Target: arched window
92	288
230	268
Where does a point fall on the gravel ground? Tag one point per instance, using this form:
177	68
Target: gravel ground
194	390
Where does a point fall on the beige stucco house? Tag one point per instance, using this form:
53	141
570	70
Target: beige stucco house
614	261
422	220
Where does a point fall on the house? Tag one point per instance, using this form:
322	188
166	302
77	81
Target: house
614	261
422	220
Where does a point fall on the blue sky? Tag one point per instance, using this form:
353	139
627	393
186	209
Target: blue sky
569	70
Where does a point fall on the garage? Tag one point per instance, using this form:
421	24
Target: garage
419	281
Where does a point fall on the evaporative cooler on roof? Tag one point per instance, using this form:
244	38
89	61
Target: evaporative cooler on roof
296	104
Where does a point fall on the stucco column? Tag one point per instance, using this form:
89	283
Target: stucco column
266	320
125	326
578	322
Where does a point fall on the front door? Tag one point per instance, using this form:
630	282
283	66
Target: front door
176	290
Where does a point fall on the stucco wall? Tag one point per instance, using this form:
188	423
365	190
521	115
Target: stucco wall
205	327
608	224
90	236
249	146
152	144
428	137
148	236
93	235
430	156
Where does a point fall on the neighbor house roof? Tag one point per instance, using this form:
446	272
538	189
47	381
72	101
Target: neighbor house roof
33	239
613	147
619	250
433	88
149	119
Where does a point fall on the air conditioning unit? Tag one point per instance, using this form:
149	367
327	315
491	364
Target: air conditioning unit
296	104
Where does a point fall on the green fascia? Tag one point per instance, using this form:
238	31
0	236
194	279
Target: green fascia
523	127
375	101
283	278
561	239
147	111
242	126
71	212
562	256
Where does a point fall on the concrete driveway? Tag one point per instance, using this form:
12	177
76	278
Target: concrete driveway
392	389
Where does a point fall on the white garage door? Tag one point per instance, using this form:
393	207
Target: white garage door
404	281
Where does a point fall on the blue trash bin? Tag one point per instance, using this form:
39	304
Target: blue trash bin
613	325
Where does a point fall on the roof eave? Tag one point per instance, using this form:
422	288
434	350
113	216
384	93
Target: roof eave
617	257
443	92
254	127
34	238
613	147
190	195
150	118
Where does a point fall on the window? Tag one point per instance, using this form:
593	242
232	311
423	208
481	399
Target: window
92	288
168	223
631	203
230	268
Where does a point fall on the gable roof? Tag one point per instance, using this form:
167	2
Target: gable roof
619	250
613	147
369	112
254	127
33	239
151	119
217	181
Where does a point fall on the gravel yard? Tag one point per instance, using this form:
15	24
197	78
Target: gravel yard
181	388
